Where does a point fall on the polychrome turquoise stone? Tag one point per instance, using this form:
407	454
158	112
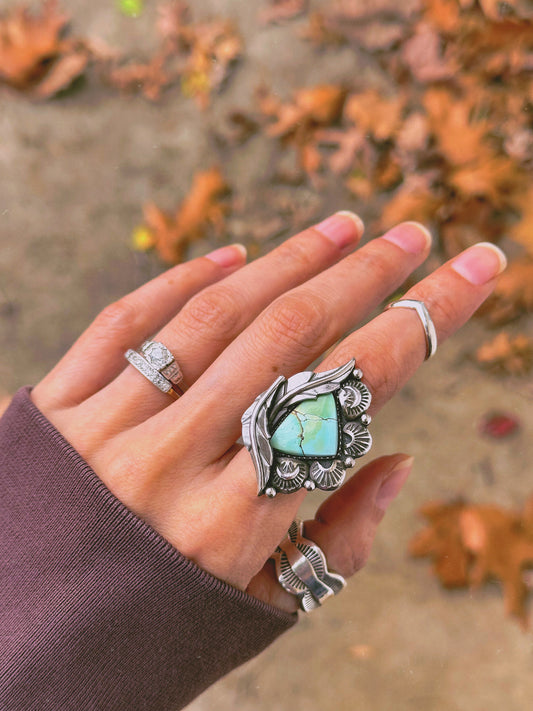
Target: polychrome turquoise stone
310	429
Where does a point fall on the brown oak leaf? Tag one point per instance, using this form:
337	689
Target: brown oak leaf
506	355
171	233
470	544
28	42
513	295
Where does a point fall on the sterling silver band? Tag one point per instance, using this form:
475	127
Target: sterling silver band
427	324
302	569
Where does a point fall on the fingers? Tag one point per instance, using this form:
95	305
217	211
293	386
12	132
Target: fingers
345	525
98	355
297	328
218	314
392	346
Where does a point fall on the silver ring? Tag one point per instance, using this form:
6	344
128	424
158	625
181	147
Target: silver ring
160	358
302	569
152	362
427	324
306	431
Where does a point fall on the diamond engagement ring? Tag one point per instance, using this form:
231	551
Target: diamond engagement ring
425	319
158	365
305	431
302	570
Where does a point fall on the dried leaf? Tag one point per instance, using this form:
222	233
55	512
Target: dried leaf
470	544
441	541
506	355
63	72
513	295
498	425
149	78
522	231
28	42
202	208
282	10
374	114
424	56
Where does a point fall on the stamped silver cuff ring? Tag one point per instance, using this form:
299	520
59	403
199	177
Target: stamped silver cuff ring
302	570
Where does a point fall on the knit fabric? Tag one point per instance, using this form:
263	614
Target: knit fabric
97	610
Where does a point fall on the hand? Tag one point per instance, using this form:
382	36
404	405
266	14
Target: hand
234	329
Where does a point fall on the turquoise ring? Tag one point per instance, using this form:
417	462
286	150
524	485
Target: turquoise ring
305	431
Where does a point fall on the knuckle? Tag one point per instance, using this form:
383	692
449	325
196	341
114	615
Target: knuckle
297	251
215	310
298	321
446	312
117	319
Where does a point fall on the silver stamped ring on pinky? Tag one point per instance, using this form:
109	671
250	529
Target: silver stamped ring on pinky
305	431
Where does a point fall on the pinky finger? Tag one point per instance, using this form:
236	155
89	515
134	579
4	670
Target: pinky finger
345	525
98	355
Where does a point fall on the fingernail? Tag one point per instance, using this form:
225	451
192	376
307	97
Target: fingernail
412	237
480	263
343	228
391	486
230	256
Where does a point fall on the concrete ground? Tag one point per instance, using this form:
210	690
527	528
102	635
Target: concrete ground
74	173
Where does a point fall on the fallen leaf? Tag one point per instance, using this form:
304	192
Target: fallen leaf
498	425
423	54
62	73
375	114
441	540
29	42
172	233
282	10
504	9
470	544
506	355
150	78
513	294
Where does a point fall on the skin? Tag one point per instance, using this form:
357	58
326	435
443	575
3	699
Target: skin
234	329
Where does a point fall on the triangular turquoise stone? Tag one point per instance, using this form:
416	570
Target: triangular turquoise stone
310	429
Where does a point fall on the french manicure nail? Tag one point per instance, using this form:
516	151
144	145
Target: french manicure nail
412	237
343	228
480	263
230	256
391	486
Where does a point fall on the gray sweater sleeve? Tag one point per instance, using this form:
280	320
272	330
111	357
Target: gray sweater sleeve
97	610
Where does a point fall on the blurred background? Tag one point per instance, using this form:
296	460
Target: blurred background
134	135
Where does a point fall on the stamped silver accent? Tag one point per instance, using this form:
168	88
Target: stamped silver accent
290	475
302	569
354	399
357	439
329	477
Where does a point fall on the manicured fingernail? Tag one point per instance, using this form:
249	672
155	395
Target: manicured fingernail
343	228
480	263
391	486
230	256
412	237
